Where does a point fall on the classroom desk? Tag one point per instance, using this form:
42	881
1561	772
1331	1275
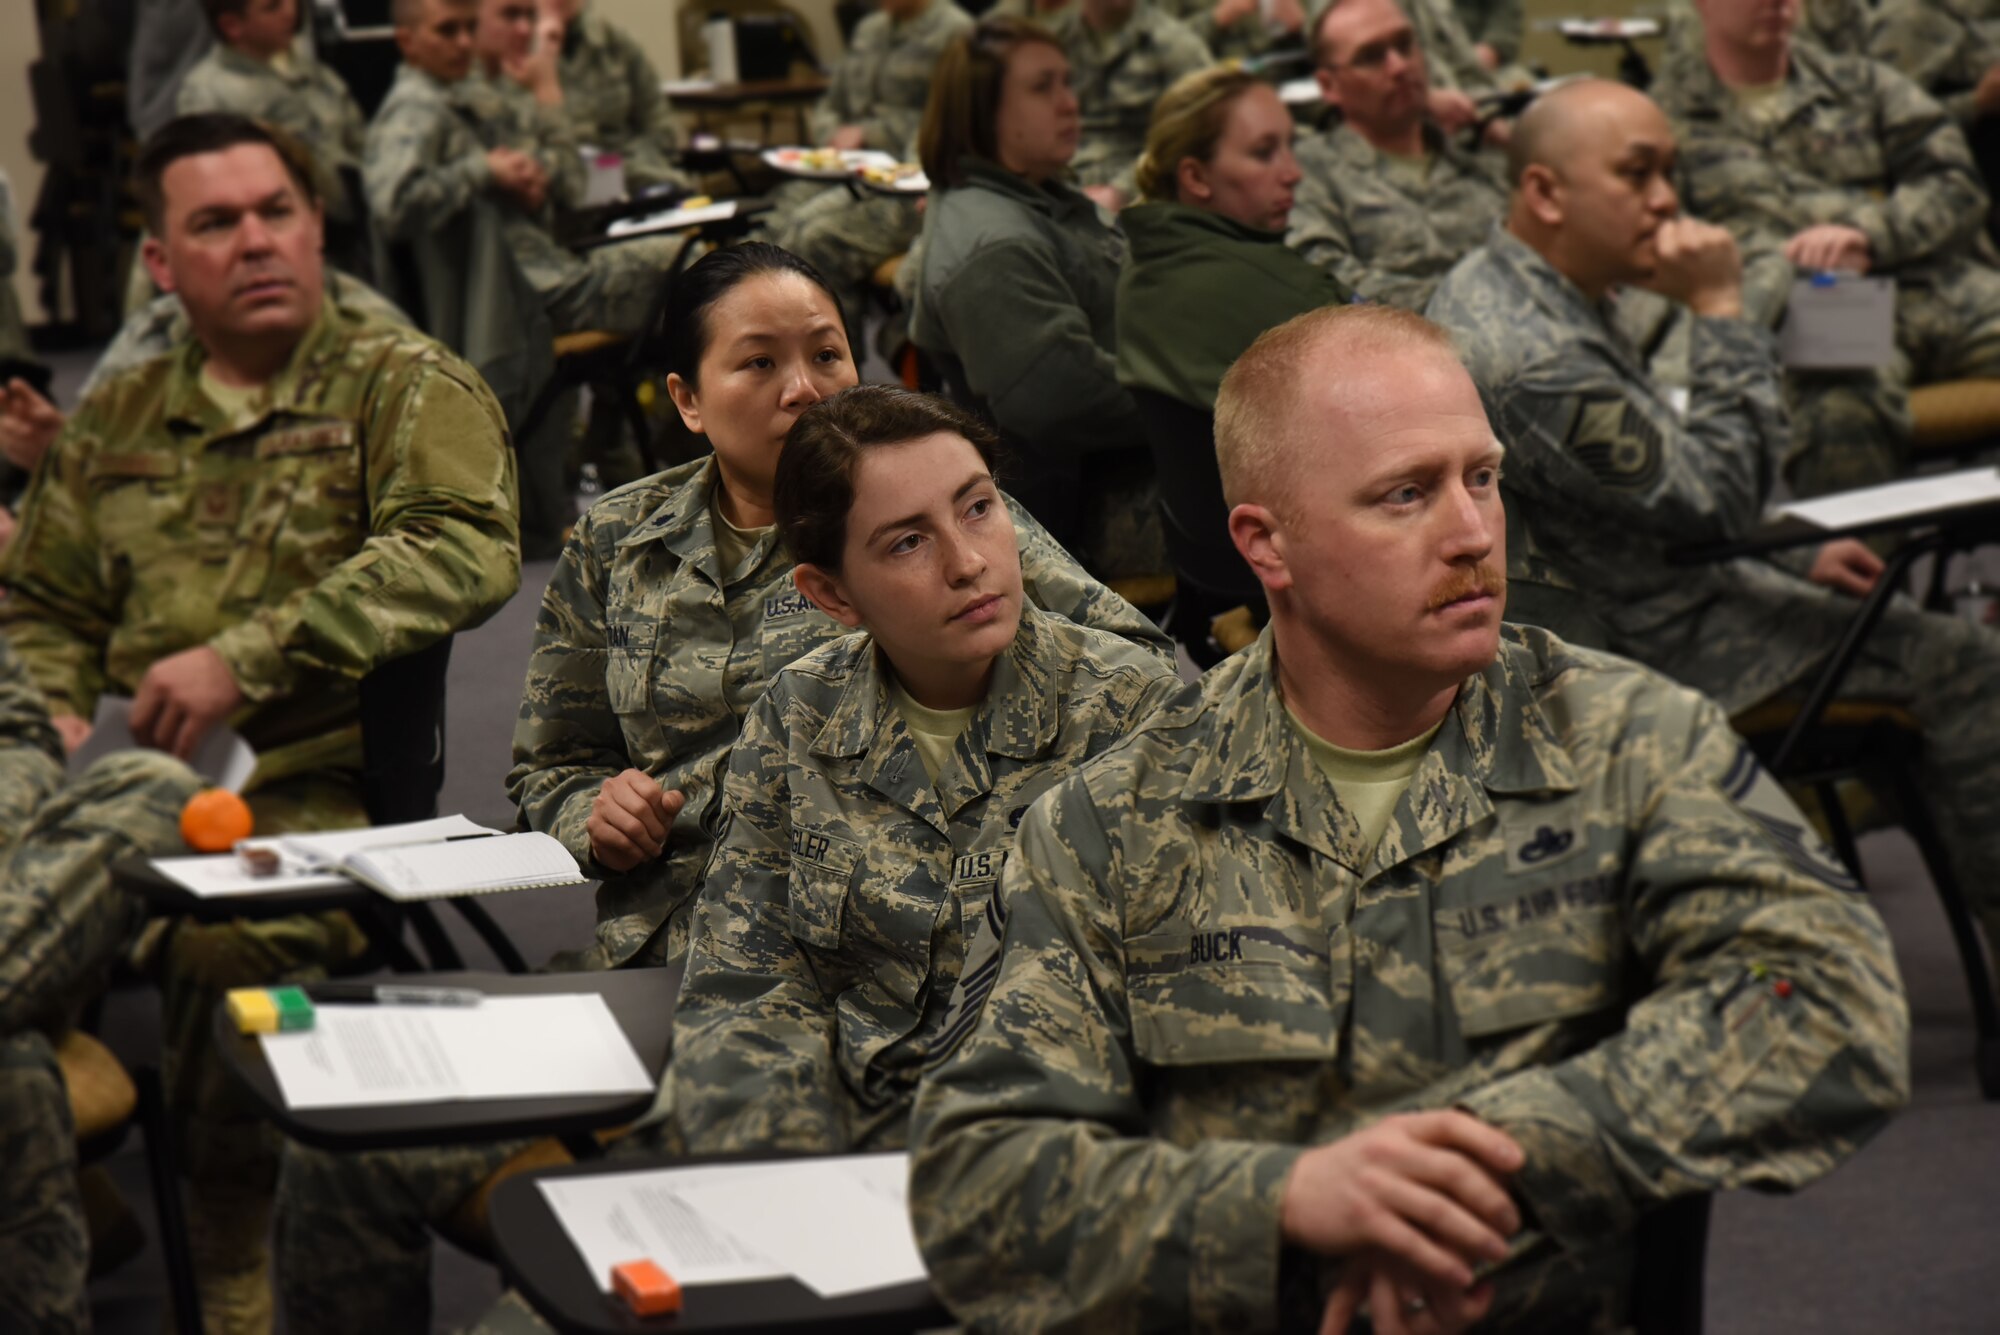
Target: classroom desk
642	1000
537	1258
730	98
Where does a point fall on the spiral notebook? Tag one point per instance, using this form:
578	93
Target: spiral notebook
464	866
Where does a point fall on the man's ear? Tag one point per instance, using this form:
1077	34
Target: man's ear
1261	540
682	393
1328	93
1541	192
154	255
822	589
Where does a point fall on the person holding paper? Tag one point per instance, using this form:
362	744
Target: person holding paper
62	924
240	531
1605	474
872	798
670	611
1825	162
1407	958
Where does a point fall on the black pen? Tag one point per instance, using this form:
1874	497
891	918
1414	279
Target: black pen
392	994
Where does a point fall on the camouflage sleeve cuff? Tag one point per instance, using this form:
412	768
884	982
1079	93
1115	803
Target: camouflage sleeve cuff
1873	222
1569	1181
1235	1241
260	667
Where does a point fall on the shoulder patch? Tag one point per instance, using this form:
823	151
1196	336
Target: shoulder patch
1613	438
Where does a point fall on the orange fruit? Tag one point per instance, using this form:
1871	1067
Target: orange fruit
214	819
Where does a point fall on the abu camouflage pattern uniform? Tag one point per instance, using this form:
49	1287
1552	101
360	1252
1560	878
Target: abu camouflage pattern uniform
611	93
306	99
1247	38
647	656
426	161
1387	228
1608	478
880	86
1592	921
1838	26
1449	56
358	509
1944	46
847	886
1849	141
1499	24
1117	78
61	925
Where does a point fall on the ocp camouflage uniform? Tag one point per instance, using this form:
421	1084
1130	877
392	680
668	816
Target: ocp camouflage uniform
302	97
358	509
648	656
1944	46
880	85
61	924
1388	227
426	160
1850	141
1500	24
1117	78
158	327
1592	921
1608	478
612	95
847	886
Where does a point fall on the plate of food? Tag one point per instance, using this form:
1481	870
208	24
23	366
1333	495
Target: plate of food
824	164
900	178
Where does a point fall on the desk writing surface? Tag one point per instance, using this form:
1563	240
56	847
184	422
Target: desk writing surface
642	1001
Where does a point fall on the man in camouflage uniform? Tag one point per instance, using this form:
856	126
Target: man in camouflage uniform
258	69
649	653
876	100
1949	48
1819	161
1402	944
1240	29
1386	201
242	530
61	925
1495	27
1608	474
1123	54
612	94
449	133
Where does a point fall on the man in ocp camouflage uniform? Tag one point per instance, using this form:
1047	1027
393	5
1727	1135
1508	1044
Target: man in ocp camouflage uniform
1403	944
1123	54
876	101
1819	161
61	925
612	94
482	119
242	530
1386	201
257	69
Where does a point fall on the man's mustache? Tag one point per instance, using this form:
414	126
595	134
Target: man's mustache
1467	581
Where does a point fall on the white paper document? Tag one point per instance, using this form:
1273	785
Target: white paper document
838	1225
553	1045
326	850
221	875
1911	499
671	220
223	758
1841	324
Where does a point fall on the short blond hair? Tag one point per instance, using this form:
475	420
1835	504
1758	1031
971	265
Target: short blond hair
1259	421
1187	123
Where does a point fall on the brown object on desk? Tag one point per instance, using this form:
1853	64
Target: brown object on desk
258	859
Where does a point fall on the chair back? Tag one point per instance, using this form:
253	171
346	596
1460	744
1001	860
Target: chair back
1182	439
1667	1285
402	735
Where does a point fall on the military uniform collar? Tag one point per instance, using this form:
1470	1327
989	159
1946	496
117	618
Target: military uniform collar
1565	301
1495	739
1807	80
423	81
1354	147
1018	718
683	522
288	391
1141	29
237	63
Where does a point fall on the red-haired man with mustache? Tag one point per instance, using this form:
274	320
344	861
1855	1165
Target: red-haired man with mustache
1408	959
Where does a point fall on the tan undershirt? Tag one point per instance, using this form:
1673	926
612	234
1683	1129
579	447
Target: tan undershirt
1760	103
1368	783
1410	174
733	545
232	399
935	731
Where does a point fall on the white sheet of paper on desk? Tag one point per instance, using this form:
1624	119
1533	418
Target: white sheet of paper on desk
1843	325
672	220
1910	499
223	758
328	849
221	875
841	1225
519	1047
618	1217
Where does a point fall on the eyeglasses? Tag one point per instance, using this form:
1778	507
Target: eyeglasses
1376	54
